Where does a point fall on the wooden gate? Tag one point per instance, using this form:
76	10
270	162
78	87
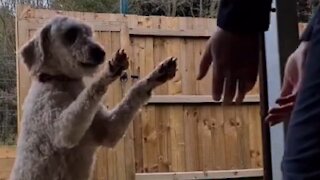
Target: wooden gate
181	129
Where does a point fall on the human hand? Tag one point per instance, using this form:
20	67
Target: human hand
291	84
235	60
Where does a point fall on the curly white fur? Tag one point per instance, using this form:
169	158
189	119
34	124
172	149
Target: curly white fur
64	121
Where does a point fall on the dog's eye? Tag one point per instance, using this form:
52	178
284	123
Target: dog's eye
71	35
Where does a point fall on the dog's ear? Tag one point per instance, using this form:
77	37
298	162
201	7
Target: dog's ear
28	53
36	50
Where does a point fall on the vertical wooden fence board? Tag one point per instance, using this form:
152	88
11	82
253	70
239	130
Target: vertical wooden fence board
231	137
205	142
177	134
256	113
189	73
119	92
106	42
138	128
150	137
191	138
150	140
175	114
163	128
138	143
163	42
255	138
243	131
128	138
158	47
219	142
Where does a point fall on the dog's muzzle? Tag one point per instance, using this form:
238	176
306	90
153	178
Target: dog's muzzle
97	54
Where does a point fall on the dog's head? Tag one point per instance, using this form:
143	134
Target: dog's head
63	46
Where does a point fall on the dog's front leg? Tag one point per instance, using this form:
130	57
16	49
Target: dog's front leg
77	117
118	119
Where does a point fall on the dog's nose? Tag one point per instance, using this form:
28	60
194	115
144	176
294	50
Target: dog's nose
97	54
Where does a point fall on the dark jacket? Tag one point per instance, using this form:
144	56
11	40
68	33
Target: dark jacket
249	16
244	16
306	35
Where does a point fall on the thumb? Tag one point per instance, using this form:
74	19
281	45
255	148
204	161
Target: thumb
205	63
287	87
286	100
290	76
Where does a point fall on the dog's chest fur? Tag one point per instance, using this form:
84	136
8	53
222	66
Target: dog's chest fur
37	153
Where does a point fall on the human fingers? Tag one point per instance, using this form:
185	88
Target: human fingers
218	79
278	114
243	88
205	62
230	89
282	109
287	99
274	119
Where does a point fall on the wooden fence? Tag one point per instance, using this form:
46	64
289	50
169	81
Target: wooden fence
181	129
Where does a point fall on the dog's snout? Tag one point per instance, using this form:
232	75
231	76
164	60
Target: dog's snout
97	54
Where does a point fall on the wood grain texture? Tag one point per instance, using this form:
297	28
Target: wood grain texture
164	138
253	174
180	129
191	118
218	138
205	142
5	167
8	151
128	138
231	124
151	151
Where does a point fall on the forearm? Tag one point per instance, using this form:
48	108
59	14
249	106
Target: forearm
78	116
120	117
244	16
108	127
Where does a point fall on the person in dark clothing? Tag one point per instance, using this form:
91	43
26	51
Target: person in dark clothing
233	52
235	35
292	78
302	150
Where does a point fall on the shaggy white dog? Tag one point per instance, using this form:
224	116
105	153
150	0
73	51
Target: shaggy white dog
64	121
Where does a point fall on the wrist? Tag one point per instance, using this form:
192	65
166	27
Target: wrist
239	33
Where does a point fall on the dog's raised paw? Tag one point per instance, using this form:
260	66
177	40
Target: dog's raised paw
165	71
119	62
